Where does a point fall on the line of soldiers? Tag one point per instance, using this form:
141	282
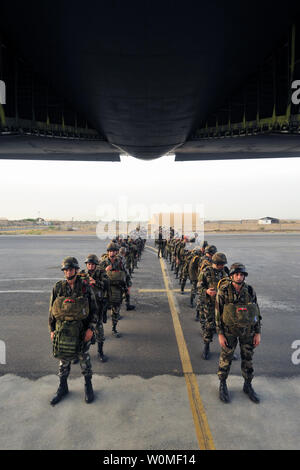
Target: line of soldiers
79	304
225	305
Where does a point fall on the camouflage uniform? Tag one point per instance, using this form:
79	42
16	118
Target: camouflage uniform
160	243
185	269
121	288
169	250
81	287
173	244
128	257
180	252
193	267
208	278
244	335
204	262
102	293
139	244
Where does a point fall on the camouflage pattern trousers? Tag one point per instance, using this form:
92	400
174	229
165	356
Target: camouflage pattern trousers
193	289
208	324
183	280
115	312
160	250
84	361
99	331
245	338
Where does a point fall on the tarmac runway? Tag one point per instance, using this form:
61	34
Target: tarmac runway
155	375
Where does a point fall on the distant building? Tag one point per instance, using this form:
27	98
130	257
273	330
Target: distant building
268	220
41	221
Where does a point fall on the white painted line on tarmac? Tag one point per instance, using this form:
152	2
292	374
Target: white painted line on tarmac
23	291
32	279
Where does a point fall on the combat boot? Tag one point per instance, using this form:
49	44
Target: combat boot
223	391
101	355
248	389
206	353
88	390
197	318
61	391
129	306
115	333
104	316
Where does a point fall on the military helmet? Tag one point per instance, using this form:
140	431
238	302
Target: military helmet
219	258
211	249
92	259
238	268
69	263
112	247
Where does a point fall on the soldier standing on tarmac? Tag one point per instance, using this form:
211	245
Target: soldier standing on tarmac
72	320
120	283
207	289
160	243
180	254
193	273
188	254
238	318
122	255
100	284
209	251
193	270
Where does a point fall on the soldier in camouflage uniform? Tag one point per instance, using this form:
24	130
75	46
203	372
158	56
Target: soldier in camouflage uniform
119	282
193	270
205	261
184	274
169	250
68	292
128	257
193	273
159	242
139	244
134	252
177	247
173	244
180	254
207	290
238	319
122	255
101	287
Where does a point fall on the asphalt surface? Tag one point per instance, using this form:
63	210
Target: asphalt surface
148	348
31	266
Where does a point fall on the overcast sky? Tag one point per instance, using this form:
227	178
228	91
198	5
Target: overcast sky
242	189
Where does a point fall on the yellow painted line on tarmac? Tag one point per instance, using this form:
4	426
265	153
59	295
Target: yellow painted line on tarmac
203	433
152	290
160	290
179	290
